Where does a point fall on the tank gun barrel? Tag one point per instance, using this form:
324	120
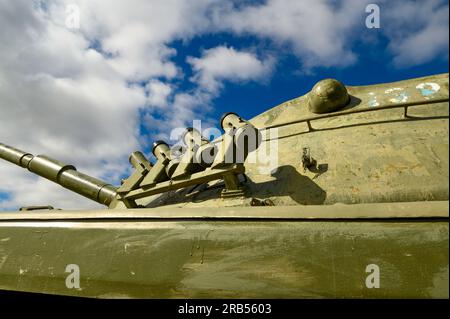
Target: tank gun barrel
65	175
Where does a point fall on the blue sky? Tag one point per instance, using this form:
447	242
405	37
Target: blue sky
4	196
93	80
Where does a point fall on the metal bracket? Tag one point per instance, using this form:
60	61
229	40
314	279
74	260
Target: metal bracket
307	161
228	174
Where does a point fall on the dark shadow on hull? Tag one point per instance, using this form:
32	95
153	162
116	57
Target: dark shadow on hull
291	183
354	101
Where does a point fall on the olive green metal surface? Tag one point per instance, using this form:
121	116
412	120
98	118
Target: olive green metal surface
227	258
360	178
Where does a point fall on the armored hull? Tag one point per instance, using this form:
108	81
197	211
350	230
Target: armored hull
361	186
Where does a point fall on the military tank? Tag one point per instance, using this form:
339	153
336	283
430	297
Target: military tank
340	193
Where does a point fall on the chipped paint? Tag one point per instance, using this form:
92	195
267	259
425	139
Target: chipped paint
399	95
389	91
428	88
402	97
373	100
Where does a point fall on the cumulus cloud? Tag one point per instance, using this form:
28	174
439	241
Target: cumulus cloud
315	30
61	98
75	94
136	35
158	93
429	38
82	95
223	63
322	32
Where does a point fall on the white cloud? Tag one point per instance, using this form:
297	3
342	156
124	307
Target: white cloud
183	108
137	34
223	63
315	30
417	33
60	98
158	93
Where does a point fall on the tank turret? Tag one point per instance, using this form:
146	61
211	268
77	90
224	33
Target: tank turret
318	197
